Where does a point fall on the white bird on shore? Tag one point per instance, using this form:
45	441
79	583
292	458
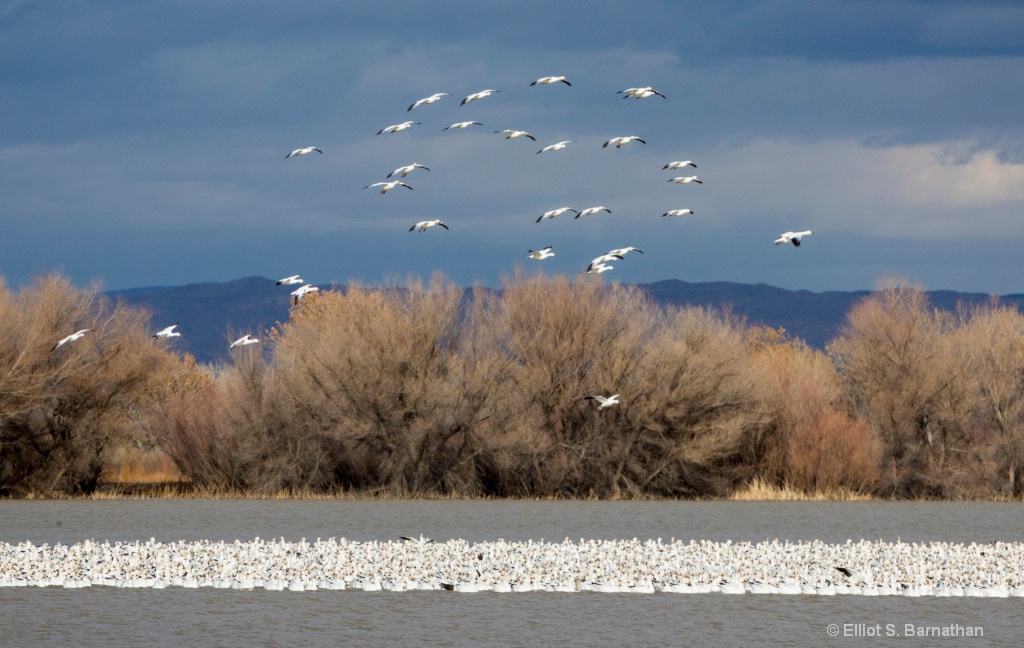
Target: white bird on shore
420	541
618	142
792	237
680	164
423	226
291	281
168	332
555	147
640	93
599	268
624	251
397	128
677	212
512	134
71	338
243	341
301	292
555	212
464	124
590	211
548	80
541	254
427	100
407	169
483	94
387	186
685	180
303	151
605	401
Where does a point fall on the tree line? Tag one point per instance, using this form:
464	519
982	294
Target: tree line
416	390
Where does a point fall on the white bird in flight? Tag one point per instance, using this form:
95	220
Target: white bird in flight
168	332
420	541
465	124
624	251
548	80
618	142
396	128
512	134
302	291
407	169
555	212
590	211
71	338
387	186
599	268
640	93
427	100
423	226
606	401
604	259
243	341
792	237
680	164
291	281
478	95
685	180
541	254
303	151
556	147
677	212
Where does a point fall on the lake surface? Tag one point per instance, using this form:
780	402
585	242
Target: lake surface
102	616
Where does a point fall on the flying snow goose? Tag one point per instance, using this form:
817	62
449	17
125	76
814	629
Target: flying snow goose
407	169
677	212
71	338
548	80
291	281
397	128
302	291
465	124
640	93
605	401
604	259
624	251
555	212
420	541
168	332
599	268
427	100
423	226
541	254
512	134
679	164
618	142
478	95
556	147
303	151
243	341
387	186
590	211
792	237
685	180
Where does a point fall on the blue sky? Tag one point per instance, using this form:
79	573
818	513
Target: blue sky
143	143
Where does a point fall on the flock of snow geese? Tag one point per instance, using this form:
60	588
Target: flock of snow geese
395	179
940	569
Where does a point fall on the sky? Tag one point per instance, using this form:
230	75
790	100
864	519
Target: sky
143	143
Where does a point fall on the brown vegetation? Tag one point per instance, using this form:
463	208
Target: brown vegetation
430	391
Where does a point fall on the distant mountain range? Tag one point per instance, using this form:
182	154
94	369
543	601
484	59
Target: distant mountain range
211	315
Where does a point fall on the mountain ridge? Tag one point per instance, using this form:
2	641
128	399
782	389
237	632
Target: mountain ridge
212	314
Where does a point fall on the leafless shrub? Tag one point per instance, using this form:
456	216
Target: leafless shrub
901	371
60	409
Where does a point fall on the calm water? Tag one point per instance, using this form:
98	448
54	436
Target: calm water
101	616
